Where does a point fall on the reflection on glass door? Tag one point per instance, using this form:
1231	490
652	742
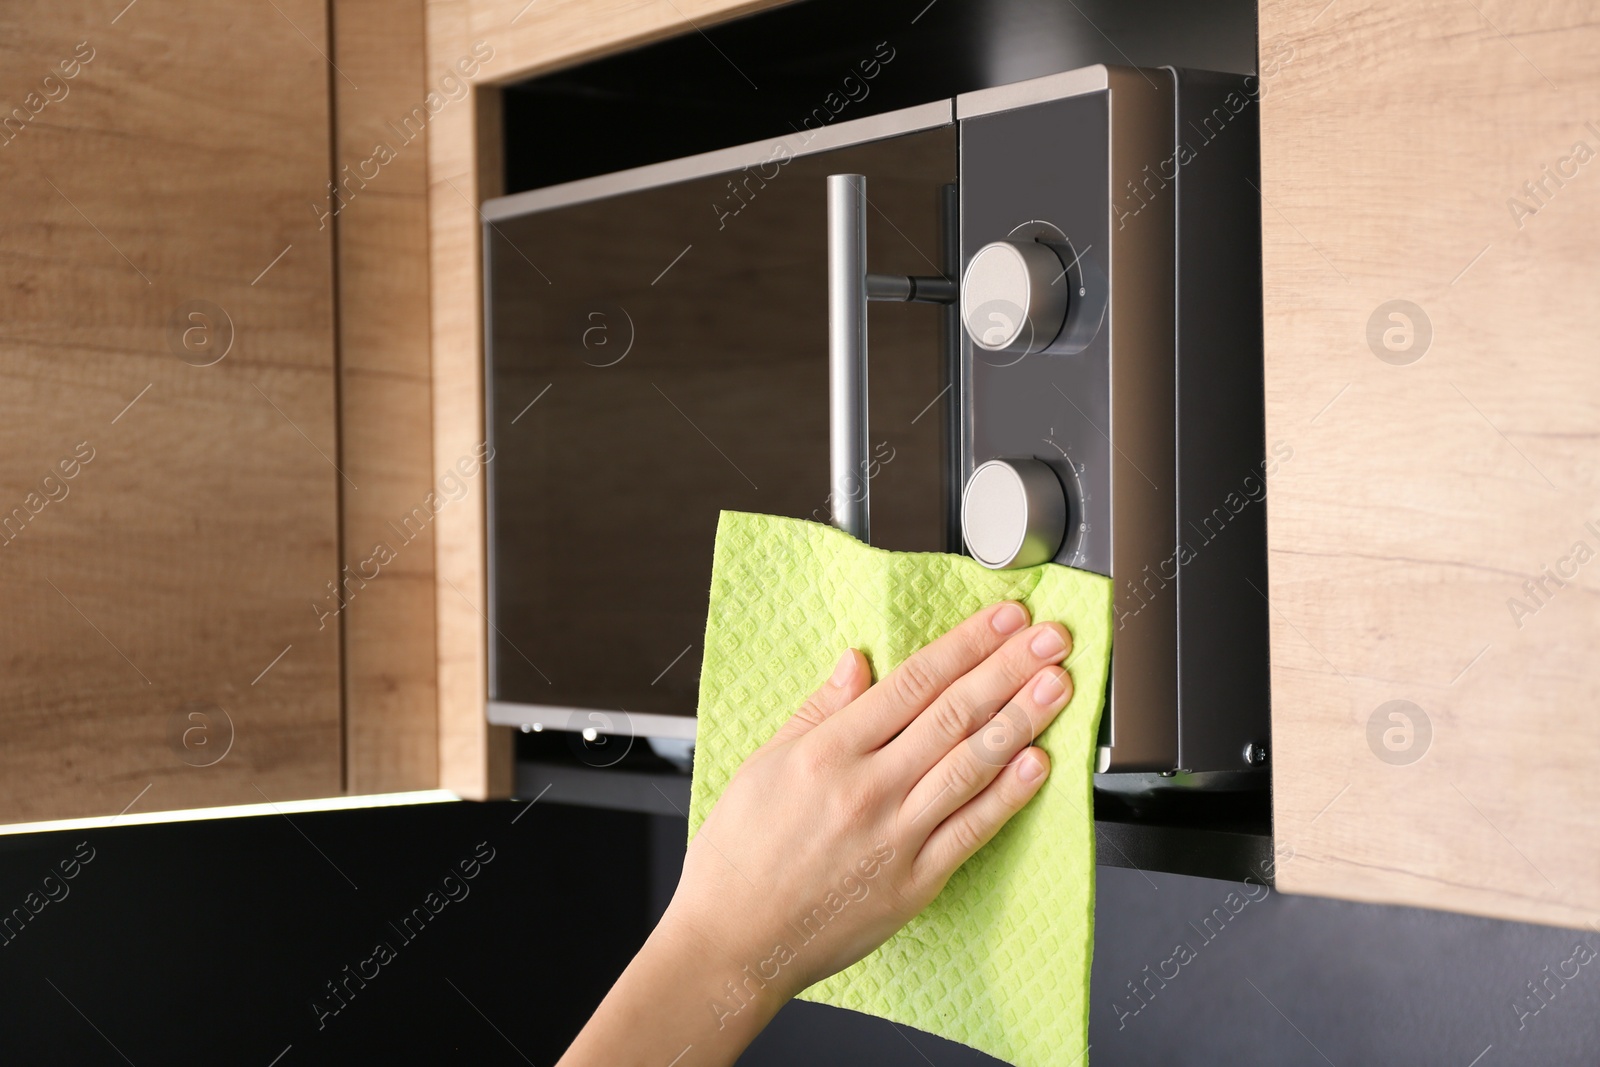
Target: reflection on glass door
660	356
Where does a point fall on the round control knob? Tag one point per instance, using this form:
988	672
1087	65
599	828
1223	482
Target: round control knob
1014	296
1013	514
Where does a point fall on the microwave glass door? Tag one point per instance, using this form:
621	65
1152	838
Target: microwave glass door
658	355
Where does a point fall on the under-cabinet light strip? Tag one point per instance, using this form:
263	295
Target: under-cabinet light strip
235	811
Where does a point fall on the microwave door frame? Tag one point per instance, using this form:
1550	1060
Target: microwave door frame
909	120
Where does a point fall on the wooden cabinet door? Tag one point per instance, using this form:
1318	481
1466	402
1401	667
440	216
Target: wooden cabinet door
168	488
1431	228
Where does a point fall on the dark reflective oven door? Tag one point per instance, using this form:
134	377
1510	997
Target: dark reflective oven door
657	352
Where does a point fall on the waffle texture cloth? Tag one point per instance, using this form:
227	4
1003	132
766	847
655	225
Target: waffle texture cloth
1000	960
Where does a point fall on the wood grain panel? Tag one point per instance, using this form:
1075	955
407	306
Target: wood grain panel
382	114
1437	153
521	38
160	645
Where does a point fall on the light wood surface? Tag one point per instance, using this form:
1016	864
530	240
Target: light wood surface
474	759
175	571
382	113
1396	139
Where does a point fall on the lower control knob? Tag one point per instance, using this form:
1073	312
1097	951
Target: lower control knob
1013	513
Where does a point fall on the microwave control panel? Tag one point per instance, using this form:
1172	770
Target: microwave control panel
1110	311
1034	242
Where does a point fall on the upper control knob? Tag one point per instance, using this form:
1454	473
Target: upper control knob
1014	296
1013	513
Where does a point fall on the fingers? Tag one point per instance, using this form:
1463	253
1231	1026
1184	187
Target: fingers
974	698
968	768
849	680
975	823
896	701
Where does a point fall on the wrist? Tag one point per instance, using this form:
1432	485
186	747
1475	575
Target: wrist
741	980
682	991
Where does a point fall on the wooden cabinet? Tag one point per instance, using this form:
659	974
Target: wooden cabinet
1431	218
215	395
168	470
384	108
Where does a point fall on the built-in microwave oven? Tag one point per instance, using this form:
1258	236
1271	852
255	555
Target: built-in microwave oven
1023	323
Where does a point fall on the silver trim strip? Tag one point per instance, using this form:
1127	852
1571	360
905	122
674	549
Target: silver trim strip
1033	91
486	325
723	160
574	720
1140	266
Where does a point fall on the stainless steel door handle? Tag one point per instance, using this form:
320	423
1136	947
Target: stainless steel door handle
847	353
850	286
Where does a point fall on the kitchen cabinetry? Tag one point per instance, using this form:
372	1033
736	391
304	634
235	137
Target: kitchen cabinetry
243	352
1430	224
215	389
169	325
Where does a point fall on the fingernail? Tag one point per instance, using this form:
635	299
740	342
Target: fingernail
1047	644
845	668
1009	619
1031	768
1050	688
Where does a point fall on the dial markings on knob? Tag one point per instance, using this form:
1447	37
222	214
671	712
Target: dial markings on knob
1069	266
1107	436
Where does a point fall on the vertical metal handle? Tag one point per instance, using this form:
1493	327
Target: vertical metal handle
847	354
849	289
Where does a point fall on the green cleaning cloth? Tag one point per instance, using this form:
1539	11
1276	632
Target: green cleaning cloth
1000	960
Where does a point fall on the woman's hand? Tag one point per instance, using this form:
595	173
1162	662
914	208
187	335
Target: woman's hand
837	831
